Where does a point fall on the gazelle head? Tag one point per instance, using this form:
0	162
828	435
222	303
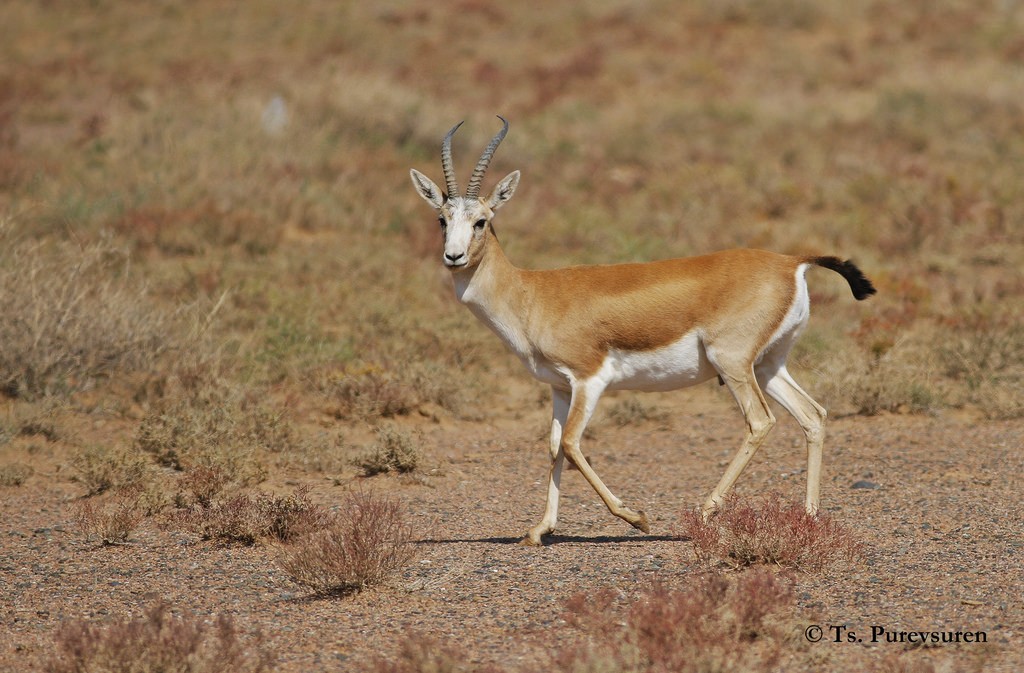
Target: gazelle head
465	220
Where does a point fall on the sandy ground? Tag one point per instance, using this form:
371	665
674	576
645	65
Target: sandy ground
942	545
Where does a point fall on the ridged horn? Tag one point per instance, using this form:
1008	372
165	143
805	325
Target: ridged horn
446	162
473	190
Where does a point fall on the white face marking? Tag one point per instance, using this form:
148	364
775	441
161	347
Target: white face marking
464	220
465	223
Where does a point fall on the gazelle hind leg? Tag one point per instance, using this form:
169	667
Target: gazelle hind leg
811	417
584	399
560	400
760	421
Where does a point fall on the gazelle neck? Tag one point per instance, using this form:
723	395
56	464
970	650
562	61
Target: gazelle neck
496	294
486	282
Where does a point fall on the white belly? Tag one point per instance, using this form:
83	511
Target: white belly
678	365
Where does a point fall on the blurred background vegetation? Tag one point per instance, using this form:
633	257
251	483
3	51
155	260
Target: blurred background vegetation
206	196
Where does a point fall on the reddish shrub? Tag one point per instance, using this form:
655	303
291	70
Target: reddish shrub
204	483
363	545
772	533
715	624
420	653
112	520
248	519
156	641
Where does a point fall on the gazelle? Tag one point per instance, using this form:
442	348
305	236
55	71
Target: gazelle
660	325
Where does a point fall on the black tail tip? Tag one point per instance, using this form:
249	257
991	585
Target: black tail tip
860	285
864	290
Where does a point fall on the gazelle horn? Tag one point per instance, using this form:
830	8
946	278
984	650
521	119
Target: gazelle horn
446	162
473	190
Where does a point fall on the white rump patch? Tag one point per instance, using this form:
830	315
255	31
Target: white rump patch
775	352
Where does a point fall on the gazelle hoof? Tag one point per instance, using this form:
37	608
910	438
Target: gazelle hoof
641	522
534	538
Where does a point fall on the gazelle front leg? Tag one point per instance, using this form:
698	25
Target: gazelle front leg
584	399
560	400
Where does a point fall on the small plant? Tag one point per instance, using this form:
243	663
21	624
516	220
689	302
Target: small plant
631	410
157	640
324	453
366	542
394	451
978	347
772	533
39	426
887	373
986	354
113	520
14	474
387	388
715	624
420	653
204	483
216	427
36	420
101	468
248	519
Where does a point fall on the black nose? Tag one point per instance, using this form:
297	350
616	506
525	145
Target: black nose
453	258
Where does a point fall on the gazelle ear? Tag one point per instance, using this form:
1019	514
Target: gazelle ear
426	188
503	191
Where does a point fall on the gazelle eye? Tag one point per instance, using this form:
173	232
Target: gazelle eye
479	224
441	221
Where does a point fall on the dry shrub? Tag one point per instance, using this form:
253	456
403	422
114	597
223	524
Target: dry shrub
631	410
933	660
112	520
373	390
214	426
970	359
157	640
101	468
894	386
420	653
39	424
326	452
980	346
366	542
999	400
15	474
72	315
985	353
898	378
394	451
203	483
772	533
715	624
36	420
248	519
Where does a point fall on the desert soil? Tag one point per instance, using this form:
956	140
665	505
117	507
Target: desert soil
941	534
